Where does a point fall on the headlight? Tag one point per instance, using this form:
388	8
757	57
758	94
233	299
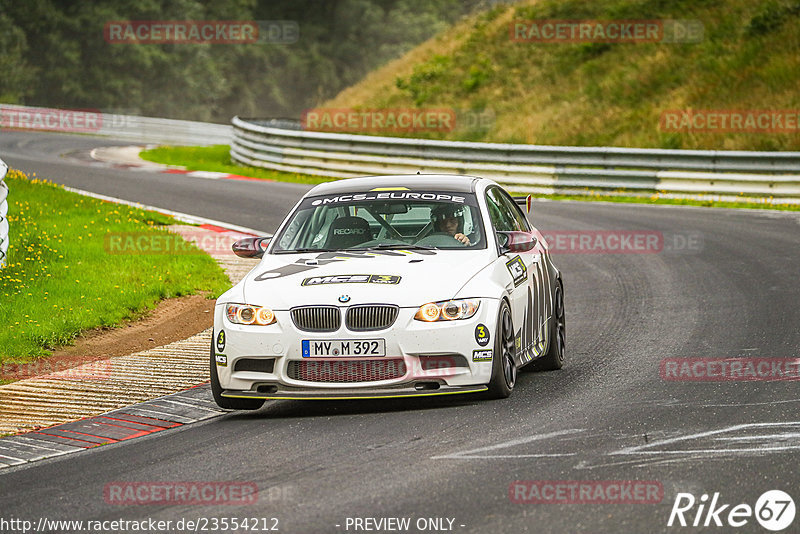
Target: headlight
447	310
246	314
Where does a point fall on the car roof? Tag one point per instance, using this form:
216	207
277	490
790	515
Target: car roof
428	182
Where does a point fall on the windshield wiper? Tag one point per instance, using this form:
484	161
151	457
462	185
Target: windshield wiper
398	246
302	250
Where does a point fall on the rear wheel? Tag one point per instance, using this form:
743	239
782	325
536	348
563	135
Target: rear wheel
225	402
554	358
504	368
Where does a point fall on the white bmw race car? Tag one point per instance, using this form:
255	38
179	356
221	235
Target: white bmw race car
390	286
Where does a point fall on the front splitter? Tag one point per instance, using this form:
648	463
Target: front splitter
352	394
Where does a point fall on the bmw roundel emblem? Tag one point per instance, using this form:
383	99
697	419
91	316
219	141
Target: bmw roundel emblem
344	298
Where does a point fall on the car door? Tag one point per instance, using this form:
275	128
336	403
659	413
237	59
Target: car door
540	296
527	278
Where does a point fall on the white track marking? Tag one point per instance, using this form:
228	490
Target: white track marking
472	454
504	456
208	175
186	404
719	452
736	404
790	435
638	462
639	449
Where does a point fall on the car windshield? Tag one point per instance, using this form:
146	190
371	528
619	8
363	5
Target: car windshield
383	220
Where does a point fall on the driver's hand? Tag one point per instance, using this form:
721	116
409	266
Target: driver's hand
461	237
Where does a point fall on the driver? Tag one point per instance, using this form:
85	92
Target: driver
449	220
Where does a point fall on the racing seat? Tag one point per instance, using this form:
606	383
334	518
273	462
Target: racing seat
346	232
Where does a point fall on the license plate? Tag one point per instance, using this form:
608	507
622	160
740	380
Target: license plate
343	348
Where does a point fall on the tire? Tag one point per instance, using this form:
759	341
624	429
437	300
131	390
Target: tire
554	358
504	368
225	402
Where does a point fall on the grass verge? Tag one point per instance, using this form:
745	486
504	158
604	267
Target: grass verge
216	158
61	279
600	93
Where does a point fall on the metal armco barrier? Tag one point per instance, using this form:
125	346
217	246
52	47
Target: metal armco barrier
3	214
723	175
133	128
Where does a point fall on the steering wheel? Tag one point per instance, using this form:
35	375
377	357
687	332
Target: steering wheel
439	239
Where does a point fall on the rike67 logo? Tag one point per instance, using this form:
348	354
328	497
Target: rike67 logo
774	510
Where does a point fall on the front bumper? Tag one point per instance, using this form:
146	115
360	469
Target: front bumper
440	358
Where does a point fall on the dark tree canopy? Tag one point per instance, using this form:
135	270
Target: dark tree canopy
53	53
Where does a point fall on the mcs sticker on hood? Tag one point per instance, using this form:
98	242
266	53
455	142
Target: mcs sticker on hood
352	279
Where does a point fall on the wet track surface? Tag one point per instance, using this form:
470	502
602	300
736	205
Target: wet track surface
608	415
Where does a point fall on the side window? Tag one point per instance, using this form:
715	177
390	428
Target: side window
503	219
521	221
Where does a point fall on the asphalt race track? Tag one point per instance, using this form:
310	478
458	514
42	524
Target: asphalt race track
58	157
729	290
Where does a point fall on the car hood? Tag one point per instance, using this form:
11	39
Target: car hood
406	279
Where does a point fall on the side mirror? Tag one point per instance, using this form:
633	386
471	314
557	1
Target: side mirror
251	247
516	241
525	202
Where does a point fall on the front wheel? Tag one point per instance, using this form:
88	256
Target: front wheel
225	402
504	368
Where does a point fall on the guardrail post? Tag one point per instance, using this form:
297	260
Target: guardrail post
3	214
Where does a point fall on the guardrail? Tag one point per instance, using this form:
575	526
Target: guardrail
3	214
722	175
145	130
